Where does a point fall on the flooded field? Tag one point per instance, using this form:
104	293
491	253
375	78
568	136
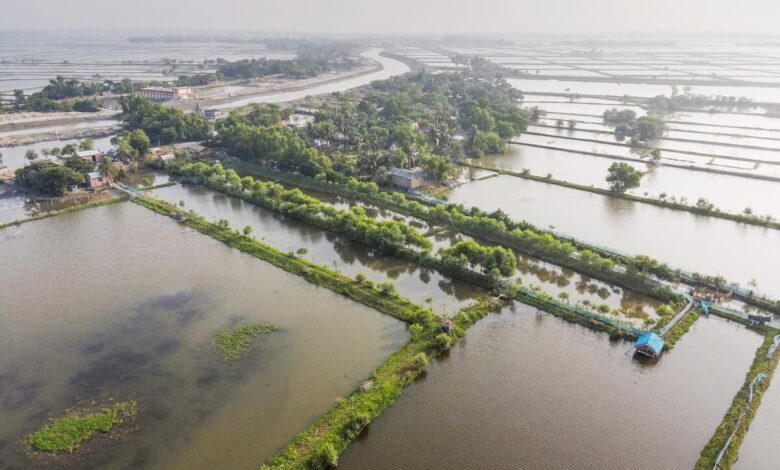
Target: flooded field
32	59
696	243
132	301
527	390
729	193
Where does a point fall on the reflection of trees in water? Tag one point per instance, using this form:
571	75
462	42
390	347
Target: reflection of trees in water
353	253
636	305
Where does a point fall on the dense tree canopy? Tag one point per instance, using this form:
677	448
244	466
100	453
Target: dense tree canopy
162	124
48	178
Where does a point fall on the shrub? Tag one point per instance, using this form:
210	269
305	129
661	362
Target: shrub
324	457
443	341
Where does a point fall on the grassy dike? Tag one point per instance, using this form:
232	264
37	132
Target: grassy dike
67	210
320	444
761	364
503	237
543	301
741	218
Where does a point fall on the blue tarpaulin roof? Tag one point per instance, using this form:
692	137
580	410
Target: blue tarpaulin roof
652	340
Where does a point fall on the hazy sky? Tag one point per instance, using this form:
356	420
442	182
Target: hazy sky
399	16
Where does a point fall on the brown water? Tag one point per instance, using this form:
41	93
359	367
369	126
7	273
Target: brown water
412	281
119	302
696	243
416	283
527	390
760	449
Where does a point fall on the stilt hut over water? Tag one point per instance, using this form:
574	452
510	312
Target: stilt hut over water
650	345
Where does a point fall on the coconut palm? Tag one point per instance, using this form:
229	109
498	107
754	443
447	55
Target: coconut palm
108	168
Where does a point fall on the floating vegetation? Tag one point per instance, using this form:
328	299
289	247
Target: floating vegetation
67	433
235	342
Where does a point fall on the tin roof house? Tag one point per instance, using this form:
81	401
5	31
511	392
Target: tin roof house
650	345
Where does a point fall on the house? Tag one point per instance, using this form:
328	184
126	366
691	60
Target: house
91	155
95	180
166	157
212	114
650	345
167	94
407	179
447	325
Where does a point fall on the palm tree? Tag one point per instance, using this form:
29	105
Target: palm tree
108	168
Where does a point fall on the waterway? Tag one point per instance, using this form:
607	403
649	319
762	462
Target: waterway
119	302
528	390
390	68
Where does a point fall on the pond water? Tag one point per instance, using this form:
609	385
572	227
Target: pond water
324	248
729	193
759	450
697	243
118	302
413	282
390	68
528	390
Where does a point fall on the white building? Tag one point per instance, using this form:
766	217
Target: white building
167	94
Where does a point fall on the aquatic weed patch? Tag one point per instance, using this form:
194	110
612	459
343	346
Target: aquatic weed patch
66	434
233	343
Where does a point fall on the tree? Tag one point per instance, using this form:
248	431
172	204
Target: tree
47	178
79	165
247	230
31	154
108	168
1	160
140	142
438	168
622	177
87	144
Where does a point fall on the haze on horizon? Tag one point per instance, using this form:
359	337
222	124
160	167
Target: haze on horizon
559	17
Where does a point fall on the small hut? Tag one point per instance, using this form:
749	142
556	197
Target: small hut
447	325
650	345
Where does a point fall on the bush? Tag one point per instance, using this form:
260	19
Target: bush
324	457
443	341
420	360
355	425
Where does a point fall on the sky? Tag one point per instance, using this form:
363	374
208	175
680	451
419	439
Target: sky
593	17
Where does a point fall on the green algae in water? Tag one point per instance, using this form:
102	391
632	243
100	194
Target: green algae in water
67	433
232	344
